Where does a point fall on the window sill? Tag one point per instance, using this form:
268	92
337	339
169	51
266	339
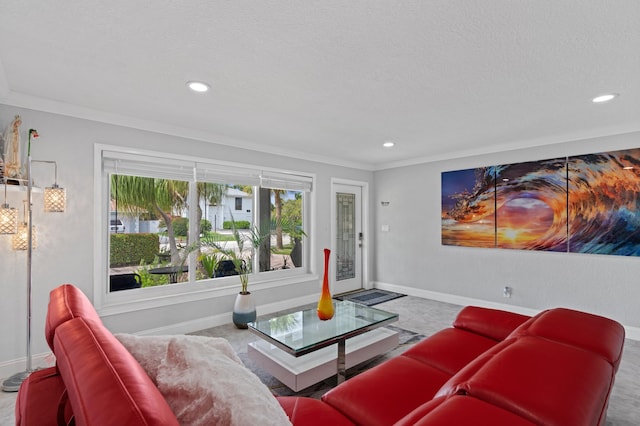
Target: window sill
155	297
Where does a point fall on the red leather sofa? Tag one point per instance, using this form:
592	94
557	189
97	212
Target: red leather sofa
491	368
96	381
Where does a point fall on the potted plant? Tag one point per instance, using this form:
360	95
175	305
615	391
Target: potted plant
244	310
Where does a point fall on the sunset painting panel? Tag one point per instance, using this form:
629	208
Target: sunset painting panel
531	205
468	207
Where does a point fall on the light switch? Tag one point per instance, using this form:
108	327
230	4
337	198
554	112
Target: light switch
385	228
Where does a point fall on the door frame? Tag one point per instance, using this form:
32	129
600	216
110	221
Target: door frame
367	235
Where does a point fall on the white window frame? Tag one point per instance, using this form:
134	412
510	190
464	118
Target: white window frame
145	298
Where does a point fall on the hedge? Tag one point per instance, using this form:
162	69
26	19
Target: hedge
240	224
181	226
131	249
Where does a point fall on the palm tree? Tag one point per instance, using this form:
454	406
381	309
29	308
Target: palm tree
209	193
277	201
160	197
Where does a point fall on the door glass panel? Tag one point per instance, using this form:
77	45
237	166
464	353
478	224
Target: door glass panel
346	236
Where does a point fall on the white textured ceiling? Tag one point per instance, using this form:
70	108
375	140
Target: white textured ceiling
331	80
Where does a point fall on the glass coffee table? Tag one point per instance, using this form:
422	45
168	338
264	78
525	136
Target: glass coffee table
299	349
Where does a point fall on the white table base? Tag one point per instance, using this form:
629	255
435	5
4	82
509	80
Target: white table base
306	370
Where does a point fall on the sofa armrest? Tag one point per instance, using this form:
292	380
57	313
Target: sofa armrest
66	302
41	398
492	323
105	384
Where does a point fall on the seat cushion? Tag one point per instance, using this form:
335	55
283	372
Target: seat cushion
386	393
461	410
311	412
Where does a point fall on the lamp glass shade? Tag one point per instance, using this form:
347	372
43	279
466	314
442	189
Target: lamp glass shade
20	240
8	220
55	199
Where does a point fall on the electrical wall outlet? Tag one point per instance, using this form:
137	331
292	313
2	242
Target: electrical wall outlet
506	292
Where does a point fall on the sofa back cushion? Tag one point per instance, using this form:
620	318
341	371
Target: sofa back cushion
594	333
66	302
449	350
105	384
385	393
543	381
491	323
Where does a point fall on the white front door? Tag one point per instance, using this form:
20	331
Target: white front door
347	239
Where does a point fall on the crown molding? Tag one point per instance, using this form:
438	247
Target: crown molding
23	100
514	146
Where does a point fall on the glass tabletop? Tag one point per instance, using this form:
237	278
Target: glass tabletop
302	332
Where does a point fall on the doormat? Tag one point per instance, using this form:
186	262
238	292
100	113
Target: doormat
369	297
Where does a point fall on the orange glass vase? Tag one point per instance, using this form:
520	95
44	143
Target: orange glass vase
325	304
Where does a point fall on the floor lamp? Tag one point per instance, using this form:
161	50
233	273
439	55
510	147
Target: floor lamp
54	201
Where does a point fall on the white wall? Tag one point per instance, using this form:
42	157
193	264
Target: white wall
408	257
66	254
411	258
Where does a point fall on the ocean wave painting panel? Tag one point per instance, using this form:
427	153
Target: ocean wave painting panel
531	205
604	210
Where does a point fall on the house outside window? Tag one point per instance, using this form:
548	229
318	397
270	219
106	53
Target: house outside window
164	242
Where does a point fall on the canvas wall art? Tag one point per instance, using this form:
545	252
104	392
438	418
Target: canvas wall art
531	205
604	197
580	204
468	208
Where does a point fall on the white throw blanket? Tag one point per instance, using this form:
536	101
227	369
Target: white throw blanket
204	381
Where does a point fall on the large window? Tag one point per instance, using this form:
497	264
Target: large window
173	222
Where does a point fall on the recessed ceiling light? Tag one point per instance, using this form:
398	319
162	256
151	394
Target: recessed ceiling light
198	86
388	144
604	98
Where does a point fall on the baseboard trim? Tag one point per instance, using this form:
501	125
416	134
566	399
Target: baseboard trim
632	333
13	366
